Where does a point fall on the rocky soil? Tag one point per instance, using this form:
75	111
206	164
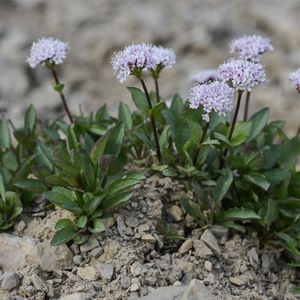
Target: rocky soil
198	31
134	260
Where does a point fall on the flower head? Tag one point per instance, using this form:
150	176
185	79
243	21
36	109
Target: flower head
214	96
47	49
132	59
205	76
162	58
242	74
251	47
295	79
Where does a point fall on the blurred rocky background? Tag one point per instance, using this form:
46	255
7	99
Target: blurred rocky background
198	30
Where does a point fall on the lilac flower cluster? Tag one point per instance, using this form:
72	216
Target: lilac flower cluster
242	74
212	97
47	49
205	76
136	58
251	47
295	79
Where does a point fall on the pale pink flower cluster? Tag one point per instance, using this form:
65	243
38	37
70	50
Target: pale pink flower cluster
212	97
251	47
141	57
295	79
47	49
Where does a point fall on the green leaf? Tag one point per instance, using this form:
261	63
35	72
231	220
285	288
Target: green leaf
31	185
4	134
115	140
10	161
45	155
116	200
125	115
222	186
290	151
30	118
240	214
63	236
2	188
98	226
258	121
240	133
59	87
81	239
121	184
139	99
25	168
62	223
81	221
195	131
72	139
98	148
193	209
258	179
92	205
271	214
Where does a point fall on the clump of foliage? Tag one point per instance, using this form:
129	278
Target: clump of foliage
242	173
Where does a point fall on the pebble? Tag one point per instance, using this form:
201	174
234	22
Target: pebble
108	222
253	257
90	244
96	252
209	239
149	238
136	269
88	273
208	265
209	279
186	246
236	280
175	212
125	281
9	280
20	226
135	285
38	283
78	259
201	249
106	271
132	222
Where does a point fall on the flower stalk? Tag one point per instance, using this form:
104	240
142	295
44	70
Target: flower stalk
198	147
246	109
153	123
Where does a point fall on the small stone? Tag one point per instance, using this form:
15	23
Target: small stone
236	280
186	246
209	279
78	259
209	239
201	249
149	238
175	213
38	283
9	281
132	222
108	222
136	269
219	231
88	273
90	244
76	296
177	283
123	230
143	228
20	226
96	252
125	281
197	290
135	285
265	263
253	257
208	265
106	271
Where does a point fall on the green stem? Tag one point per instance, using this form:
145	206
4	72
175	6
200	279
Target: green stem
237	108
247	106
298	131
153	124
62	96
198	147
157	90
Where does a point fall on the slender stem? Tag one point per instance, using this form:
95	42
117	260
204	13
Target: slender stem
238	104
298	131
153	124
157	90
237	108
198	147
247	106
62	96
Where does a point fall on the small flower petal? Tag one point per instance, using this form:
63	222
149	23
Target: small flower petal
205	76
295	79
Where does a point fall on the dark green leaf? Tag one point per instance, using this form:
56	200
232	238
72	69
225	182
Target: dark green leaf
258	179
31	185
115	140
30	118
258	122
121	185
4	134
63	236
240	133
116	200
62	223
98	226
222	186
81	221
139	99
240	214
125	115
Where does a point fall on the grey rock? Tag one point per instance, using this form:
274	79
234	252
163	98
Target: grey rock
20	226
88	273
123	230
201	249
219	231
186	246
209	279
78	259
236	280
165	293
125	281
96	252
253	257
38	283
209	239
9	281
137	268
175	212
149	238
54	258
75	296
17	252
106	271
208	265
135	285
197	291
132	222
90	244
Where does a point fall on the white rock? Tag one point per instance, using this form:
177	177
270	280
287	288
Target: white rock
201	249
9	280
175	212
209	239
88	273
208	265
92	243
186	246
106	271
